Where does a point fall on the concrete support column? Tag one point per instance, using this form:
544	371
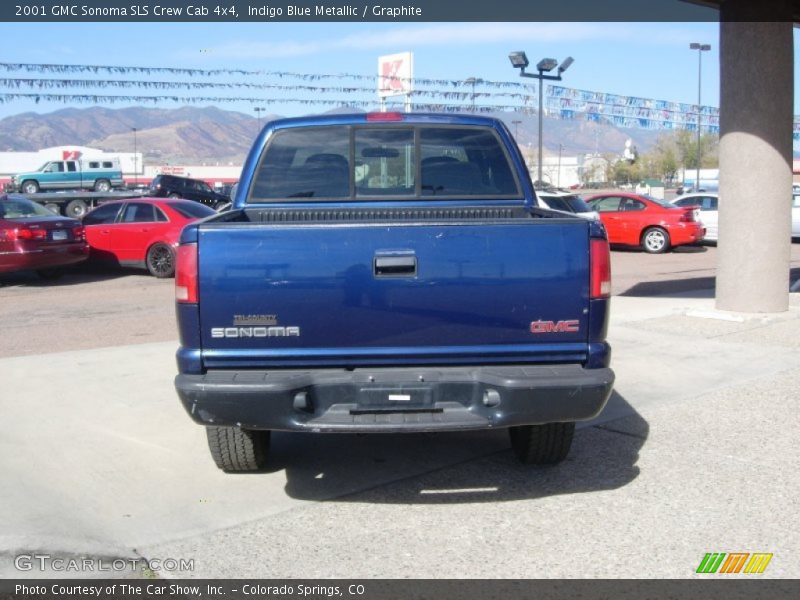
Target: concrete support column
755	159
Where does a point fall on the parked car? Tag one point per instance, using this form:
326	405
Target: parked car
709	215
654	225
796	215
32	237
565	202
141	232
707	205
172	186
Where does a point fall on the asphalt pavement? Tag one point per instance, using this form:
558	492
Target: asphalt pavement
695	453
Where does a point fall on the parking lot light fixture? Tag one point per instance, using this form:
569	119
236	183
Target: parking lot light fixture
520	61
546	65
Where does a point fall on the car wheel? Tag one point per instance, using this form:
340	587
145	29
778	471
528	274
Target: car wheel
30	187
237	450
53	208
655	240
545	444
51	273
174	195
76	209
160	260
102	185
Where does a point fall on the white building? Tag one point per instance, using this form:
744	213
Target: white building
12	163
560	172
133	169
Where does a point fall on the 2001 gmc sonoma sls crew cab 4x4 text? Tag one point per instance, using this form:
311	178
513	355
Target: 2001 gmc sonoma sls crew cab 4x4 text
391	273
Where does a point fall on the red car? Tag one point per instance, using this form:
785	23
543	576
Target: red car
141	232
32	237
654	225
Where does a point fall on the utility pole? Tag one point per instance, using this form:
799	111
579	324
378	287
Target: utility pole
472	81
259	110
558	176
700	49
135	159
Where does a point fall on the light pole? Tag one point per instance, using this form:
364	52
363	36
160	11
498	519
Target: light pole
519	60
558	176
700	49
135	160
516	123
259	110
472	81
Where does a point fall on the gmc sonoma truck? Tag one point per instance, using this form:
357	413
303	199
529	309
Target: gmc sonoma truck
390	273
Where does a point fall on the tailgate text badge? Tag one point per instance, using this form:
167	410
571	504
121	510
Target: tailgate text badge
571	326
254	332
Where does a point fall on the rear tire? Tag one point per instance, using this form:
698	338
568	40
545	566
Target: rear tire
655	240
174	195
29	187
102	185
237	450
160	261
546	444
76	209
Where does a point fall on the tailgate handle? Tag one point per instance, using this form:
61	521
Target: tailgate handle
395	266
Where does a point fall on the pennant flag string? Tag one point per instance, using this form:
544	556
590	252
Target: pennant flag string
118	69
45	83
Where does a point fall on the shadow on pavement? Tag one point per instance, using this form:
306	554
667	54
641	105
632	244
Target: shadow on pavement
459	467
685	249
74	275
681	286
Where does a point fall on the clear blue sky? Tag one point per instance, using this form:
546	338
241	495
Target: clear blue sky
650	60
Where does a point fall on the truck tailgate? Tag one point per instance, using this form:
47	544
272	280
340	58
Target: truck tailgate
392	293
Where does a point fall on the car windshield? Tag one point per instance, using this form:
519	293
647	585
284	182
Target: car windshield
576	203
13	207
192	210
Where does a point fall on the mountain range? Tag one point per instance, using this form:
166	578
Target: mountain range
191	135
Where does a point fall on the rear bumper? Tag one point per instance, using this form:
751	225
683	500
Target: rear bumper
395	400
686	233
56	256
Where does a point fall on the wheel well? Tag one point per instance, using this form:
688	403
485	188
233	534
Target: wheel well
155	243
649	227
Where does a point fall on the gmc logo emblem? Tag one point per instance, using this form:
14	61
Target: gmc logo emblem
571	326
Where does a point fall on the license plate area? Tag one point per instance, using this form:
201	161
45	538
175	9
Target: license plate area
394	399
58	235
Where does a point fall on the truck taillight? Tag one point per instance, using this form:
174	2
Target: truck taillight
600	285
186	274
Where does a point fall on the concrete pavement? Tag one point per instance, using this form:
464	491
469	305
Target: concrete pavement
695	453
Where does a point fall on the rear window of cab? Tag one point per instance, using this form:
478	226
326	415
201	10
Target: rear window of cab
395	161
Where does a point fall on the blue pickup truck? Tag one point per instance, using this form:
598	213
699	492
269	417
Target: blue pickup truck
391	272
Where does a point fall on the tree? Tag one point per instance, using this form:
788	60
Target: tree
686	143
